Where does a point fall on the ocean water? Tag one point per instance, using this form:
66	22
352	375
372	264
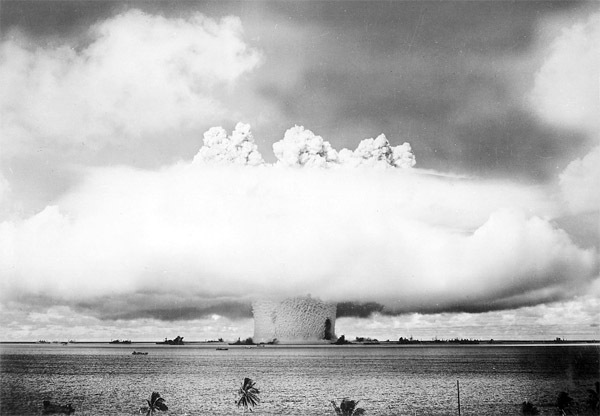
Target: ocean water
103	379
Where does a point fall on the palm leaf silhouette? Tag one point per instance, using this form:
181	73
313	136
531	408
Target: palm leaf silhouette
347	408
248	394
156	403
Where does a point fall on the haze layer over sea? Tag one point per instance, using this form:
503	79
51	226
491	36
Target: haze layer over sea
388	380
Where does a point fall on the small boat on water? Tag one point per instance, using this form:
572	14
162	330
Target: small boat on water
222	349
139	353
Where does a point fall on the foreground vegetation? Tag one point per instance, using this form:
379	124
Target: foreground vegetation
249	397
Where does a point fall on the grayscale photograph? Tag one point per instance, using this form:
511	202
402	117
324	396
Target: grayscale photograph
299	207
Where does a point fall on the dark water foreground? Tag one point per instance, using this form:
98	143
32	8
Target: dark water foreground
198	379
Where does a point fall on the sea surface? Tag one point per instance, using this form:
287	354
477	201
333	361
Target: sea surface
101	379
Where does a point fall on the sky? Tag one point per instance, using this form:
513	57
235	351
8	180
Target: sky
432	167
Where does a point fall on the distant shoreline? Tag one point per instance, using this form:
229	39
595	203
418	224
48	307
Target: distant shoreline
351	344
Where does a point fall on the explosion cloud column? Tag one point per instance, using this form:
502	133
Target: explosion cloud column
294	320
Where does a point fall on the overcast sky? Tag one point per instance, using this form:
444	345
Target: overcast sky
476	214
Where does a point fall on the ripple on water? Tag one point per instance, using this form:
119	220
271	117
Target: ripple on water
98	379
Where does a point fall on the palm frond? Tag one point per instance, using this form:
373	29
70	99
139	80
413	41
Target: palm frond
347	407
160	403
248	394
156	403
